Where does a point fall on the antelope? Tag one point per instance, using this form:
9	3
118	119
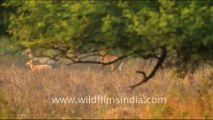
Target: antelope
41	60
106	58
38	67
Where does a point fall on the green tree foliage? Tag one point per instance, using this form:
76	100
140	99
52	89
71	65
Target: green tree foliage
180	31
3	18
5	12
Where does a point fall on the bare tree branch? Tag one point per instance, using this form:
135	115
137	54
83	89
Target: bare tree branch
80	60
143	73
157	66
88	55
97	62
145	56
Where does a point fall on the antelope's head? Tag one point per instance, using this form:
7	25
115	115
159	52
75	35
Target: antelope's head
102	53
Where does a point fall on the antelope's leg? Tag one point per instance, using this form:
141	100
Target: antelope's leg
112	67
120	66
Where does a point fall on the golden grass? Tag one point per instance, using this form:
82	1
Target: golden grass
29	94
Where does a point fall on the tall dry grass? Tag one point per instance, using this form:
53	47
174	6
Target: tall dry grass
29	94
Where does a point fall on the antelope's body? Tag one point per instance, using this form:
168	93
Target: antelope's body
106	58
41	60
38	67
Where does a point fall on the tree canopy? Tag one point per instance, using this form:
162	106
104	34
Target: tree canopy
175	33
